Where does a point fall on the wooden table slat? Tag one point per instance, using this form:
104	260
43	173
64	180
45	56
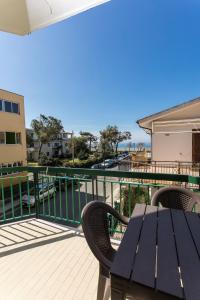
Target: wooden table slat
123	261
188	256
194	224
168	277
145	260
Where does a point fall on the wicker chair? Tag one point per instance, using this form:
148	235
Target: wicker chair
96	229
175	197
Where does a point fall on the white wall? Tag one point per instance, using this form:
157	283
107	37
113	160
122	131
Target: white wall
172	147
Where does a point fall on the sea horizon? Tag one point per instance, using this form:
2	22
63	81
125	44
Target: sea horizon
124	146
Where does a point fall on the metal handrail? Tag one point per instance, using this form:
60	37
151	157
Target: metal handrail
121	189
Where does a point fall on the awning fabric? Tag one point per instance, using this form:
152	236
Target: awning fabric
24	16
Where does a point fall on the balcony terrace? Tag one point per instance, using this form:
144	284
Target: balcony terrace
166	167
44	254
40	260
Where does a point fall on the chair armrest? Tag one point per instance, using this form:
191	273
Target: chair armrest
124	220
121	218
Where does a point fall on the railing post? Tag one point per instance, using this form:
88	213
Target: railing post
155	170
179	167
36	194
93	197
97	191
199	174
104	188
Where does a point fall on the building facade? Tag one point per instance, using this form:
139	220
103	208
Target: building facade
12	130
57	147
175	133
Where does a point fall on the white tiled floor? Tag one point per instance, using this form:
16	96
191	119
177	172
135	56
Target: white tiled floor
40	261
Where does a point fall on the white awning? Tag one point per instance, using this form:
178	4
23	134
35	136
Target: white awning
24	16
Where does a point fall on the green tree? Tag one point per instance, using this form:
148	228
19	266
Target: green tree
107	136
91	139
120	137
105	147
79	146
131	196
112	136
46	128
29	140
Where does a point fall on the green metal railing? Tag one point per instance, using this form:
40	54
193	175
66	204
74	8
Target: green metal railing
12	190
59	194
168	167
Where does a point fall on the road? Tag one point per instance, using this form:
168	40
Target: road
67	205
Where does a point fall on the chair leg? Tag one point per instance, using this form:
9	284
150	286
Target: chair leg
101	287
107	294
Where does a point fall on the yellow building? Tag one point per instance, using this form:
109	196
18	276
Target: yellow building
12	130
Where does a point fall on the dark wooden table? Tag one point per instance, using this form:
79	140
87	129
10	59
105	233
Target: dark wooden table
159	256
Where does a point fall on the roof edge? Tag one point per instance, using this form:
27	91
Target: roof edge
12	92
168	110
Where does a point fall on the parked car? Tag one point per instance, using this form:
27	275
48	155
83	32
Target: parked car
120	157
107	163
96	166
125	153
45	190
83	177
61	182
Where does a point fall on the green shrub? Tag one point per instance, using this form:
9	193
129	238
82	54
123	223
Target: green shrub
83	155
81	163
53	162
136	194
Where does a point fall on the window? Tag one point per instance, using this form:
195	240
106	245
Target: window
2	138
10	138
15	108
18	138
8	106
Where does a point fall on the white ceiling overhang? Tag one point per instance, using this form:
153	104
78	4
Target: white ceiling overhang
24	16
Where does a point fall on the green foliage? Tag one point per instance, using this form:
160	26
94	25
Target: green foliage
79	146
105	148
136	194
46	128
96	155
82	163
111	137
82	155
29	140
53	162
91	139
43	160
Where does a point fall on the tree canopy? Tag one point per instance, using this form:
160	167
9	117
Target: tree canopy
112	136
91	138
78	146
46	129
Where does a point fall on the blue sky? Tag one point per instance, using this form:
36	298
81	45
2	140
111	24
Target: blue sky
111	65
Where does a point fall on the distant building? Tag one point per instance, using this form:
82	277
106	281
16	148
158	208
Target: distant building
55	148
12	130
141	156
175	132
